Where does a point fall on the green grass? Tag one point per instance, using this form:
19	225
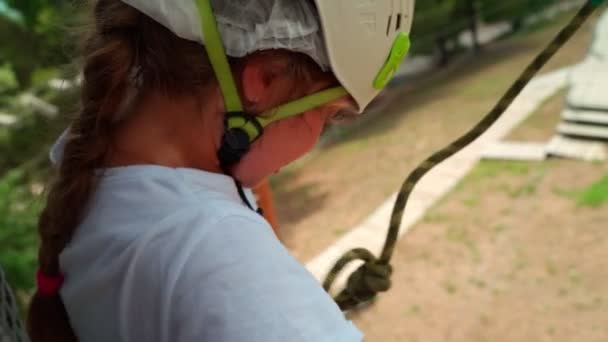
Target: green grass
552	268
489	170
530	187
450	287
478	283
492	168
415	310
461	236
499	228
596	195
559	191
341	231
435	217
472	201
574	276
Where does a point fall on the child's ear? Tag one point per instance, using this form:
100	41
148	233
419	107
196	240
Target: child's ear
259	78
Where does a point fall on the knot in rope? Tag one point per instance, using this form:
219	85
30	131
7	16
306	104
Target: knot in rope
370	279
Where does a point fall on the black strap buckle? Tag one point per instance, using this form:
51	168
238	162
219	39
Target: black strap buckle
237	138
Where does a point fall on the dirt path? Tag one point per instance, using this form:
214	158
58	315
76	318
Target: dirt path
336	188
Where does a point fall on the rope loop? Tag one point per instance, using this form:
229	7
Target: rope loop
370	279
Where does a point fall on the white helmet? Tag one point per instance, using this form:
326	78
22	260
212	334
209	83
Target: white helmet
362	41
366	41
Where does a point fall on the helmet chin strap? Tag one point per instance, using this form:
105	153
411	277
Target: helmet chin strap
241	128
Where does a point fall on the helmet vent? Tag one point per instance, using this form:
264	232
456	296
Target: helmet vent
389	25
399	17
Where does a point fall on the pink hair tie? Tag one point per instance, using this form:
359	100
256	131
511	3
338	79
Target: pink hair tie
49	286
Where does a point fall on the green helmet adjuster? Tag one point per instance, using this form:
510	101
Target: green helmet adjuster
241	130
401	47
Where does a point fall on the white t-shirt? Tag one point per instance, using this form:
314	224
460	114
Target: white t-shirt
173	255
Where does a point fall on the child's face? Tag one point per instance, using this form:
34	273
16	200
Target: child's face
287	140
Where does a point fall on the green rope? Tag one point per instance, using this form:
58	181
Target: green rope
374	276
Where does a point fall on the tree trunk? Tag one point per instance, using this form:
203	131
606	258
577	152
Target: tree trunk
473	15
444	53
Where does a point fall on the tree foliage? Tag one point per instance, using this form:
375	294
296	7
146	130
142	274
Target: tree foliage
34	45
18	243
37	39
440	20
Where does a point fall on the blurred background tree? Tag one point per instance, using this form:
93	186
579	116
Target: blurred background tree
35	55
33	38
438	24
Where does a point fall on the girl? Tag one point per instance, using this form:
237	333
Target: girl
148	234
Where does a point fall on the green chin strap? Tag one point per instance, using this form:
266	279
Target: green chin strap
232	100
285	111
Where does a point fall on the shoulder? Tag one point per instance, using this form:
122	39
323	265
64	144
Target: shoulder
212	241
196	240
196	236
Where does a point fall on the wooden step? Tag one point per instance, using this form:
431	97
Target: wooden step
565	147
585	116
521	151
583	130
591	95
599	45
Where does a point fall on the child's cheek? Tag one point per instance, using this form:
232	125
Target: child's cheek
282	143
